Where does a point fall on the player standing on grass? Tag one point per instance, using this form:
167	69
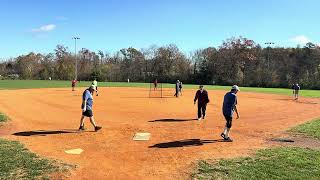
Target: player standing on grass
95	83
229	107
87	101
203	100
296	89
177	89
73	84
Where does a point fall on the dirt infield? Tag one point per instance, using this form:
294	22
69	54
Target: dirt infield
46	120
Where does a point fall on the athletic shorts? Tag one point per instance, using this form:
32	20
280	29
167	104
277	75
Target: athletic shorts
87	113
229	121
296	91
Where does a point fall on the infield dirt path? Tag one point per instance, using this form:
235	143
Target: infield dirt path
176	143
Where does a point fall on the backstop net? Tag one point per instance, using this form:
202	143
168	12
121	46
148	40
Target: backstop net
160	90
155	90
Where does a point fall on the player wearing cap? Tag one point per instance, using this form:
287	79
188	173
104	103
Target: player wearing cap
228	109
95	83
87	102
203	100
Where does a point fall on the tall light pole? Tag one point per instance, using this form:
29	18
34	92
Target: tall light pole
75	55
268	59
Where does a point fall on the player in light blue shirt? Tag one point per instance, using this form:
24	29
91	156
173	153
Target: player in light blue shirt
87	102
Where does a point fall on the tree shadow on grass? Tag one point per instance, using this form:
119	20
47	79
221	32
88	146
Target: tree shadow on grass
184	143
172	120
44	132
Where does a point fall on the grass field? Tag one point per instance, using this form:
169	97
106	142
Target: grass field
310	129
3	118
277	163
16	162
28	84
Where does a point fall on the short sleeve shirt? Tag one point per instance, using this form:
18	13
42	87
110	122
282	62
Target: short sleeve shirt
229	102
87	96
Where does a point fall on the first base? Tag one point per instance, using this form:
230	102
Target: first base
141	136
74	151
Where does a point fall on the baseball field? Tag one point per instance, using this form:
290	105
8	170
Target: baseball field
45	118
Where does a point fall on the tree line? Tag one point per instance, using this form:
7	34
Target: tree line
237	61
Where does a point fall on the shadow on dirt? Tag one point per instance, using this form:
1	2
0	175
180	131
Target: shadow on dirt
298	101
43	132
172	120
147	97
185	143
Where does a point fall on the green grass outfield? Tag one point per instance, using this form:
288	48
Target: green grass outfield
29	84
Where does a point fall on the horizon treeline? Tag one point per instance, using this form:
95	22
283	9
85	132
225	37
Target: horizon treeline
238	61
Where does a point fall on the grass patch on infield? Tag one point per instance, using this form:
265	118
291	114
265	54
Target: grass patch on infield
30	84
276	163
310	129
16	162
3	118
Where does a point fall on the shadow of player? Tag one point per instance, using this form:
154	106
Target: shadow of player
172	120
184	143
43	132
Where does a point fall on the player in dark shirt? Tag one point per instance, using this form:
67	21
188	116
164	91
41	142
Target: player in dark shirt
296	89
203	100
229	107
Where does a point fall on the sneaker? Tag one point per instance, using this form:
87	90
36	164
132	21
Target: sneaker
228	139
81	128
199	119
203	117
223	136
97	128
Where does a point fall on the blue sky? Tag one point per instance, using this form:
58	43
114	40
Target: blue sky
39	25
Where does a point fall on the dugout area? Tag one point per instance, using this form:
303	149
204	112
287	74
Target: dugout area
177	139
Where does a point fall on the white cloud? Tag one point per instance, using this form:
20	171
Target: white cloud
45	28
301	39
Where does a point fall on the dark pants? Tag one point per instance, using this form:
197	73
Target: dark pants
177	93
229	121
202	110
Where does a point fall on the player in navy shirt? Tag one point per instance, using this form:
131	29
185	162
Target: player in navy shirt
296	89
228	109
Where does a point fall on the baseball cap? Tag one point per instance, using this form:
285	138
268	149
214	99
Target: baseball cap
235	87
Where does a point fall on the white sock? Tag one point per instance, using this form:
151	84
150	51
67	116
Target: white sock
225	130
227	133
